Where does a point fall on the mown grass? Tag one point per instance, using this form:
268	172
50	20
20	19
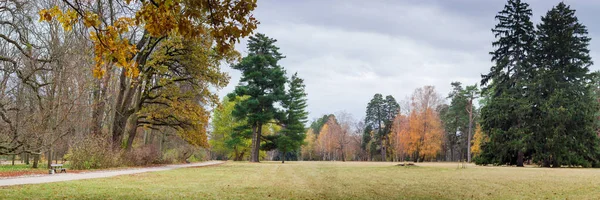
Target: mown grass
328	180
20	170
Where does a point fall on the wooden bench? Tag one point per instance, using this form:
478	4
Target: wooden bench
58	167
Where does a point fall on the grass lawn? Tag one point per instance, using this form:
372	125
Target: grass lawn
7	170
328	180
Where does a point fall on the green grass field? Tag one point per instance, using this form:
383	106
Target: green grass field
328	180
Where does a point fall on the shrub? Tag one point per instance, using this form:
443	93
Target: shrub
144	155
92	153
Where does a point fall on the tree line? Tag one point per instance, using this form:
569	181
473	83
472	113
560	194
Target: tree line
106	82
538	104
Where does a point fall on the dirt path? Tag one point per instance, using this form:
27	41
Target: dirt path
98	174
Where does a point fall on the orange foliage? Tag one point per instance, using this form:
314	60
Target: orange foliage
223	21
400	134
330	140
478	139
420	134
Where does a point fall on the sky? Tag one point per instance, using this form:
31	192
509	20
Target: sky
348	50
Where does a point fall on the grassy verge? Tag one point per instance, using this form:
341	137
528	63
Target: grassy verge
20	170
328	180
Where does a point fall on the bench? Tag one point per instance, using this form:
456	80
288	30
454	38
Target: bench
58	167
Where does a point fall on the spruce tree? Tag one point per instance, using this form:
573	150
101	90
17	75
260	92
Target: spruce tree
565	102
504	117
293	133
263	81
374	118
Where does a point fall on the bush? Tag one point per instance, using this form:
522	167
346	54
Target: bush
183	153
92	153
144	155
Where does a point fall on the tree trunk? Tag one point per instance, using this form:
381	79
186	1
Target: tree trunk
122	111
283	157
119	123
132	131
520	159
36	159
13	159
383	151
27	158
470	131
256	142
50	157
555	163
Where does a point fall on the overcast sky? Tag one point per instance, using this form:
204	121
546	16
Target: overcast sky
348	50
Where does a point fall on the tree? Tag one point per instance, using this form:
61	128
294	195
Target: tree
425	128
40	101
380	115
565	106
504	116
478	139
400	136
318	123
263	81
294	104
229	137
471	93
344	133
325	143
366	140
137	36
456	120
309	145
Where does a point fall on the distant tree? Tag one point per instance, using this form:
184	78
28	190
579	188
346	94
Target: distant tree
425	132
366	140
318	123
263	81
325	143
400	136
230	136
456	120
380	114
478	139
471	93
309	145
295	115
344	133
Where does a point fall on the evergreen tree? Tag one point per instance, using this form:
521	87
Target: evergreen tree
374	118
263	81
317	124
456	120
380	115
293	132
565	102
366	139
504	117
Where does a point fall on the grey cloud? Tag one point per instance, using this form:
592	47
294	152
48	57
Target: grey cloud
349	50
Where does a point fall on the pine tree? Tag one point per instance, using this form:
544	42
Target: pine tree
505	116
374	118
460	117
293	133
263	81
380	116
565	103
456	120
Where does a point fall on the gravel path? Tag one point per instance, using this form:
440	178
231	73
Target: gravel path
98	174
